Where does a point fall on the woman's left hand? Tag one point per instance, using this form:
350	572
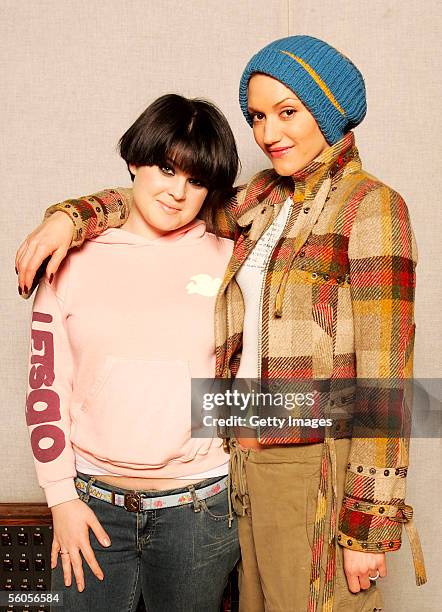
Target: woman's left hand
358	566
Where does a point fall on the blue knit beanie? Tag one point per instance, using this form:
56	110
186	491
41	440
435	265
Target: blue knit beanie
327	82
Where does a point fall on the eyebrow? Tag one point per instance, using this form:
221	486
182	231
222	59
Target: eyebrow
252	110
285	99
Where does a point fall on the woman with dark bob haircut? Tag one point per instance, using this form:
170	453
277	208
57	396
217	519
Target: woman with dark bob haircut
197	136
113	447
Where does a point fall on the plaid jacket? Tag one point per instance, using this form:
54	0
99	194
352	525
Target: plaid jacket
337	304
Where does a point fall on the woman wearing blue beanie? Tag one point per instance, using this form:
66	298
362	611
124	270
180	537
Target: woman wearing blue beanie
320	288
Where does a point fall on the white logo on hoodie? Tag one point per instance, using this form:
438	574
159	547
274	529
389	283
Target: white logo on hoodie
203	284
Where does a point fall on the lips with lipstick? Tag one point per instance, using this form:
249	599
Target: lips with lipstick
279	151
170	210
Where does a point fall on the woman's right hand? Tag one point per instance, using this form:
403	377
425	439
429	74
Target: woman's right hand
52	238
71	522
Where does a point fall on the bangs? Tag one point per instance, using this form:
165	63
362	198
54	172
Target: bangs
193	158
192	146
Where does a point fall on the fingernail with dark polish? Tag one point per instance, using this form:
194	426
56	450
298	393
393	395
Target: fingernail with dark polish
51	278
19	290
25	289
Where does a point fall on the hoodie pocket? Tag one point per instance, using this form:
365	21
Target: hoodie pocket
139	412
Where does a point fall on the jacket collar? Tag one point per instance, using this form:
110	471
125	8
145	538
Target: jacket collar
268	189
329	162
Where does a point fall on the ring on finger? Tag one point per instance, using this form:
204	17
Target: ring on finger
374	578
64	552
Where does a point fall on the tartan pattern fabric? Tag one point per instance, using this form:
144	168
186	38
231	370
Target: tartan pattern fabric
337	304
93	214
318	540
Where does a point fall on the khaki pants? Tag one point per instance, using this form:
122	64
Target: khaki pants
281	484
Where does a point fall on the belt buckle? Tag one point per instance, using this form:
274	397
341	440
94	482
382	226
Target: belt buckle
132	502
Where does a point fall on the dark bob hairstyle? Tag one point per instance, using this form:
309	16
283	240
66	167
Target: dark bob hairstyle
192	134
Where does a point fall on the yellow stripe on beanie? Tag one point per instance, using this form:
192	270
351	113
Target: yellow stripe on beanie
315	76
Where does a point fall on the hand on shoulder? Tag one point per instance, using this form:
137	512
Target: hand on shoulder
49	241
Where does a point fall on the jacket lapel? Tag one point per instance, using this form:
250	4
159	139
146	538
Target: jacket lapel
254	222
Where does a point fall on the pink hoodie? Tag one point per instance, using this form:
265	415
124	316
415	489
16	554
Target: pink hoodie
115	340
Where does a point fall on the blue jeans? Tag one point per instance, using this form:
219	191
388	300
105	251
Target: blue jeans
178	558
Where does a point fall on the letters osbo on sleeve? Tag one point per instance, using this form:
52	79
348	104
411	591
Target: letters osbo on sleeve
49	395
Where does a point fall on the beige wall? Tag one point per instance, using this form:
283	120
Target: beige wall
77	73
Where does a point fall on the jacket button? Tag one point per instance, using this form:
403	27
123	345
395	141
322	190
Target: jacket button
360	468
302	253
314	274
67	205
372	471
97	208
75	214
349	542
339	537
306	209
405	471
381	510
356	505
348	465
263	211
339	280
326	277
396	471
379	544
364	545
391	544
386	472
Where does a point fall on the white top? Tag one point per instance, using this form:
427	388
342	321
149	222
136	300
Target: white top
250	278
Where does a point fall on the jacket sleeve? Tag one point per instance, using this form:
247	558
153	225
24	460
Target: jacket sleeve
93	214
49	396
382	254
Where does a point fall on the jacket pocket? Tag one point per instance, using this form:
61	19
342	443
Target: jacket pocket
139	412
323	339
